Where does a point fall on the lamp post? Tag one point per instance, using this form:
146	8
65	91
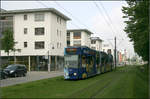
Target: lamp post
49	62
19	50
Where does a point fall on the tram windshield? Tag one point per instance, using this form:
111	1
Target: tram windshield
71	61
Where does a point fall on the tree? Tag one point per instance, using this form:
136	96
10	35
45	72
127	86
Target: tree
7	41
137	27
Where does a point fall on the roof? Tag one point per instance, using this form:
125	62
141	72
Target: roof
36	10
2	10
96	38
77	47
79	30
82	47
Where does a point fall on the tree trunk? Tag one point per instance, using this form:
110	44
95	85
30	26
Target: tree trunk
8	56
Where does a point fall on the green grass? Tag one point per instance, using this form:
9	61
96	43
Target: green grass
125	82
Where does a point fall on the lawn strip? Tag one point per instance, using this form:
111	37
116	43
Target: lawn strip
90	89
110	83
125	82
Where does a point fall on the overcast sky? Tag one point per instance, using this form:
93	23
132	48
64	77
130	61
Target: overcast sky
104	18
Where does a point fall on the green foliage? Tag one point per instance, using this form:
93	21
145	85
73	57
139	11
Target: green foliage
7	41
138	26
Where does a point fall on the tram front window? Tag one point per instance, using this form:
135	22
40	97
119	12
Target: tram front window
71	61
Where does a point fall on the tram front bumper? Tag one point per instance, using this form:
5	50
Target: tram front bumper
66	75
71	76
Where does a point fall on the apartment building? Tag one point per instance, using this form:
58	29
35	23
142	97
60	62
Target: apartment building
96	43
40	34
122	56
78	37
106	47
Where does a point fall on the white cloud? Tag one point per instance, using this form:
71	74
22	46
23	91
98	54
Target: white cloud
104	30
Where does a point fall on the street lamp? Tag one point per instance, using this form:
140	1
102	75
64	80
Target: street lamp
51	45
19	50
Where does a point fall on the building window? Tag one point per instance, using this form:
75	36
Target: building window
60	45
109	51
57	45
106	45
68	43
25	44
39	45
9	18
6	18
3	18
39	17
39	31
58	19
25	17
25	30
77	43
93	42
60	33
68	33
57	32
93	48
77	35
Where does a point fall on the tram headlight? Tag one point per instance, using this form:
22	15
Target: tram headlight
67	74
75	74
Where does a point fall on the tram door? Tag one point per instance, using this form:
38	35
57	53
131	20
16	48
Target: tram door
98	63
102	67
90	65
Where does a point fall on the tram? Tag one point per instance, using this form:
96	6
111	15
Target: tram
83	62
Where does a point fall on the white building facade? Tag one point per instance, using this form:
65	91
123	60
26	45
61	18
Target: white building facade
96	43
106	47
78	37
38	32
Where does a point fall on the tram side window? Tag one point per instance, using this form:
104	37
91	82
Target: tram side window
97	59
79	60
91	61
83	61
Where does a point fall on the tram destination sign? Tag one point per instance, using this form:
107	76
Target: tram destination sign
71	50
89	52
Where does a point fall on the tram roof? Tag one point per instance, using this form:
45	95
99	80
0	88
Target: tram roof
77	47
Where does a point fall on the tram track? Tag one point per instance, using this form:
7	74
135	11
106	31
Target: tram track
105	81
107	85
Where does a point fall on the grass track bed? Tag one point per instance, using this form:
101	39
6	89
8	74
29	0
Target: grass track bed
125	82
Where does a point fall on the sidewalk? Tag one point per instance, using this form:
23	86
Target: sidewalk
31	76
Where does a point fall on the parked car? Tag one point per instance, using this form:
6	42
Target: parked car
16	70
3	74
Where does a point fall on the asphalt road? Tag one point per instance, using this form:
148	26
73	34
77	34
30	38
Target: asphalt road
31	76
